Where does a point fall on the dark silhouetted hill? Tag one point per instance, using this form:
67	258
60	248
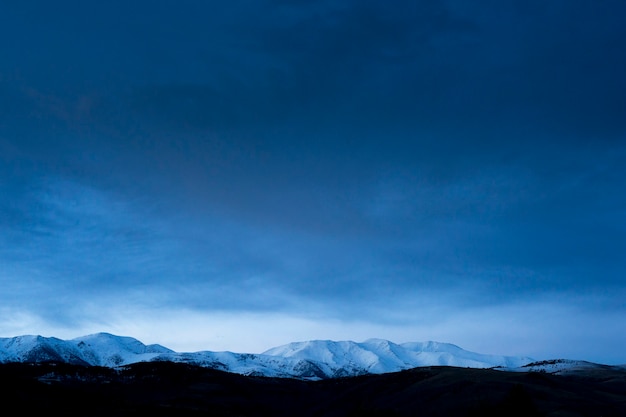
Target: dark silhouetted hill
172	389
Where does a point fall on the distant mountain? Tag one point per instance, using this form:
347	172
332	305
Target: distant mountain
100	349
566	366
316	359
376	356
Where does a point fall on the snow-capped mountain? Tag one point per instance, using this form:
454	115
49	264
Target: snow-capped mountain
100	349
317	359
376	356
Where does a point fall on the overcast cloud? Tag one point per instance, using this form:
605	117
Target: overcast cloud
237	175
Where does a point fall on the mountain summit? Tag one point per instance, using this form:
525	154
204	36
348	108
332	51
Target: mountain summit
315	359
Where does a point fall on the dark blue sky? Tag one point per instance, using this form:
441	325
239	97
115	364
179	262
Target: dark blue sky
237	175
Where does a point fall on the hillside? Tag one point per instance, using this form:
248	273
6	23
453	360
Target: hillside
171	389
314	359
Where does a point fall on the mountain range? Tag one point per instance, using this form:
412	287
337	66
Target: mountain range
313	360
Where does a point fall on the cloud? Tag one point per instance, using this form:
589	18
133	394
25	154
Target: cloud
541	329
342	65
313	160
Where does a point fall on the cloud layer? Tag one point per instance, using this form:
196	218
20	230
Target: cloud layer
408	167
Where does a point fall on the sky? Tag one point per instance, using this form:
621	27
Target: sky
239	175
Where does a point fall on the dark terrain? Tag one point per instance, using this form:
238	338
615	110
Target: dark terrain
168	389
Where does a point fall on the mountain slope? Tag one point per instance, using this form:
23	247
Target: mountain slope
376	356
100	349
566	367
316	359
172	389
105	349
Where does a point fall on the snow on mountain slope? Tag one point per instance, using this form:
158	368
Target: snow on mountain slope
30	348
333	358
100	349
563	366
250	364
316	359
104	349
381	356
452	355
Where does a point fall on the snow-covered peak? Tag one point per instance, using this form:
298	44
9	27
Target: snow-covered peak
101	349
431	346
380	356
23	348
107	342
105	349
335	358
324	350
379	344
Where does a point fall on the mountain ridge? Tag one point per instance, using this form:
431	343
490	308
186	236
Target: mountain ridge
313	359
